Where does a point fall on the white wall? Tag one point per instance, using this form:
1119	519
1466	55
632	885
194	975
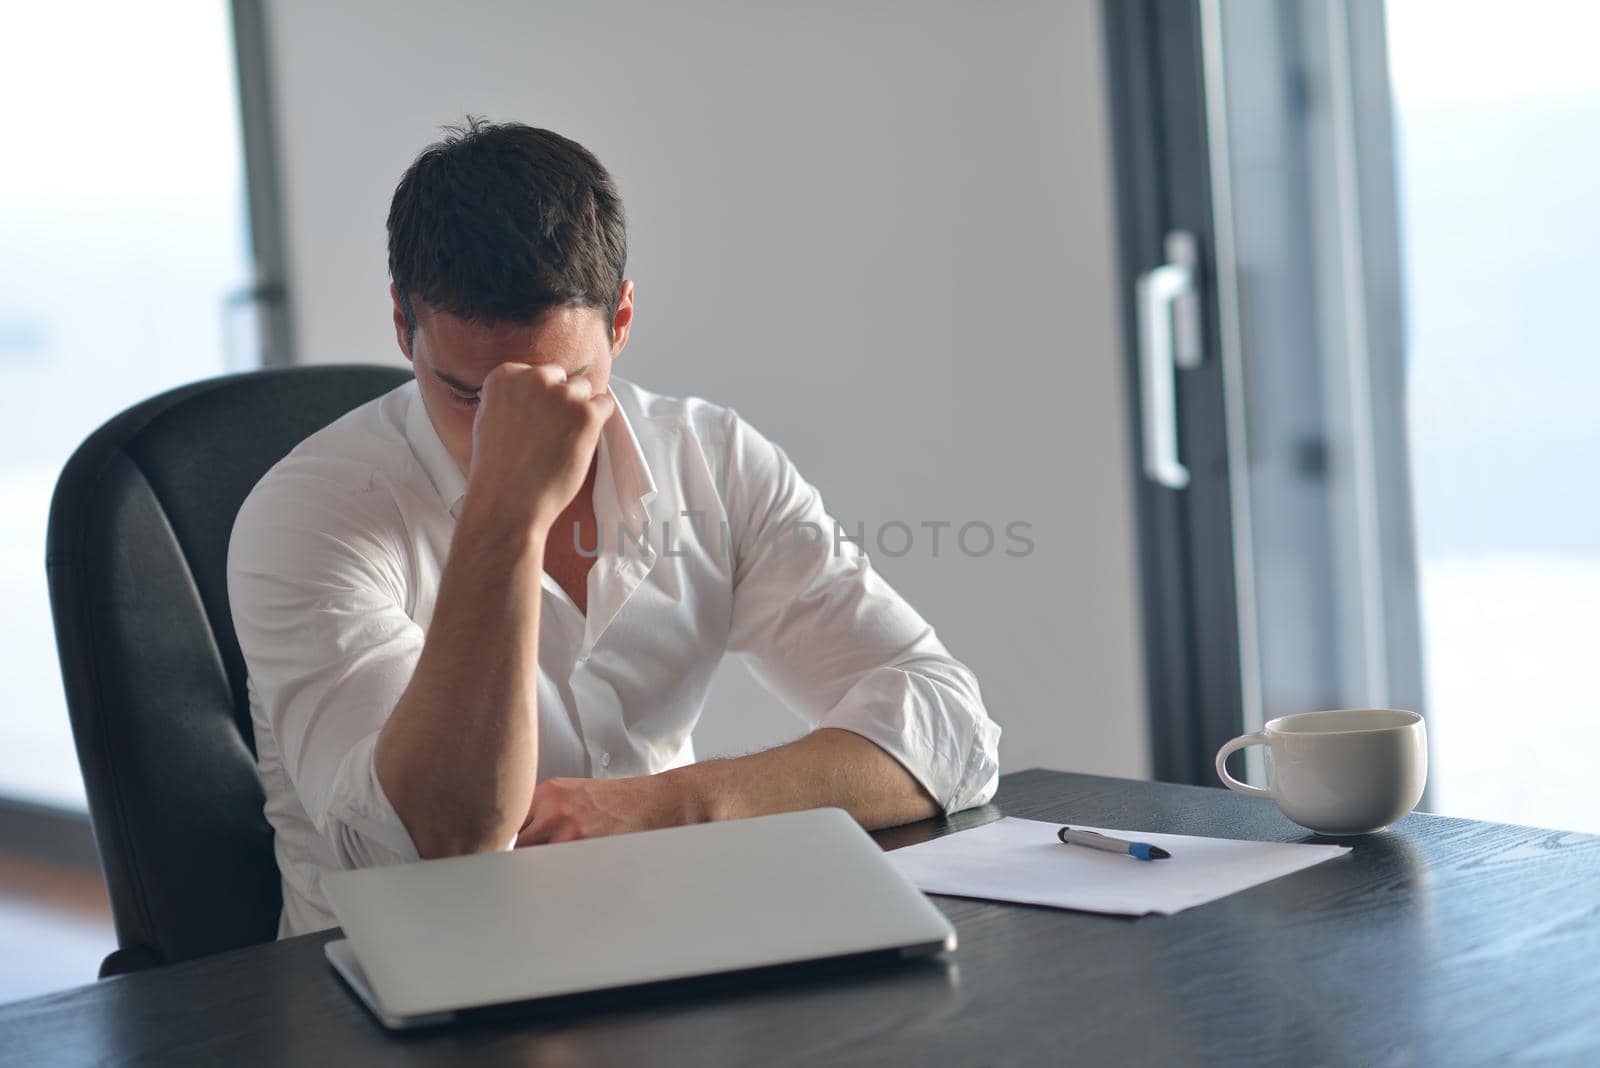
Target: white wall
881	231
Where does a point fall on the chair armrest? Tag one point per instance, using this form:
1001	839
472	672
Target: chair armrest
127	959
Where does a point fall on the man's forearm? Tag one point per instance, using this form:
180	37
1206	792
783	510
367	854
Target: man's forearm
829	766
459	755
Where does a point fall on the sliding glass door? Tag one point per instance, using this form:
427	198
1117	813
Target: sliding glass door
1309	300
1383	421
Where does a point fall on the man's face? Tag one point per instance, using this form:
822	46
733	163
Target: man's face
452	357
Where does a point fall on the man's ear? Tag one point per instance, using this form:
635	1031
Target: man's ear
622	322
402	333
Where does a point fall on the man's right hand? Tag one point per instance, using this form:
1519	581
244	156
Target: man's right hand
533	440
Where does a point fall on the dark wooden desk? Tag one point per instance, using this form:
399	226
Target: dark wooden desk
1444	941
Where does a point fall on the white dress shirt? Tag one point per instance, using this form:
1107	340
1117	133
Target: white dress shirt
711	543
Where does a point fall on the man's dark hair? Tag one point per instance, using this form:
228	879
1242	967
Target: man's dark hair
500	222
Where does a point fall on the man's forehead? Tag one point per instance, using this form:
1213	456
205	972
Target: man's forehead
476	347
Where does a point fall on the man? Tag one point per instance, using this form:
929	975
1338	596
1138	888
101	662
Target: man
483	610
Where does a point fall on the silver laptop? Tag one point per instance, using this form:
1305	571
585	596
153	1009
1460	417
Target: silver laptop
427	940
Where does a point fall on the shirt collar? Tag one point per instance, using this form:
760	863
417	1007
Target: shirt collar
620	457
430	452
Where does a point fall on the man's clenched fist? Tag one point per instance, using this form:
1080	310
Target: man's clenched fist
533	440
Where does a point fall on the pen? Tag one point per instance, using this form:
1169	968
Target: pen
1095	840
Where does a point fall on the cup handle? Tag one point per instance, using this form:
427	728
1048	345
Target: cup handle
1258	738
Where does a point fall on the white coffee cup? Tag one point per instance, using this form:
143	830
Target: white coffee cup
1350	771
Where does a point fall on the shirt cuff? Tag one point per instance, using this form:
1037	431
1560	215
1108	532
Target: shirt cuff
360	822
949	747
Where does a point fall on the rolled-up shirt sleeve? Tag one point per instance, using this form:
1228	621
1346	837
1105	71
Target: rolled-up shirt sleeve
314	584
827	634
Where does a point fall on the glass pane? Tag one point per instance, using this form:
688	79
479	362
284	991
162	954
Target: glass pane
122	233
1404	191
1303	192
1497	112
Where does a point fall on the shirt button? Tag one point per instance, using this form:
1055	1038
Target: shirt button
605	760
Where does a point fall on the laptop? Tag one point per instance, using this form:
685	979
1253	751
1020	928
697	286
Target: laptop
429	940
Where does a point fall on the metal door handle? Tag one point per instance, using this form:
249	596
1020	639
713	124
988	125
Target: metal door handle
1168	308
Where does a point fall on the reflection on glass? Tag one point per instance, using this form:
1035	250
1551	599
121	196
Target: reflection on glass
122	231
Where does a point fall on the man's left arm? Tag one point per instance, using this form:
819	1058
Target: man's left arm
901	732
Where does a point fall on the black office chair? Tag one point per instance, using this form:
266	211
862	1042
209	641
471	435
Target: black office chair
137	556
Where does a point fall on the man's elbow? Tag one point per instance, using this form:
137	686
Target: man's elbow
458	848
459	838
442	820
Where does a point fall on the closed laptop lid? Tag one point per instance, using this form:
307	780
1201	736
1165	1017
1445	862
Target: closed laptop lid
488	929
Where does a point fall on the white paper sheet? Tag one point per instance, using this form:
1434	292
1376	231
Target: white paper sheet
1022	860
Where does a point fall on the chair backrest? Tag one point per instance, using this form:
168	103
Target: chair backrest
137	555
